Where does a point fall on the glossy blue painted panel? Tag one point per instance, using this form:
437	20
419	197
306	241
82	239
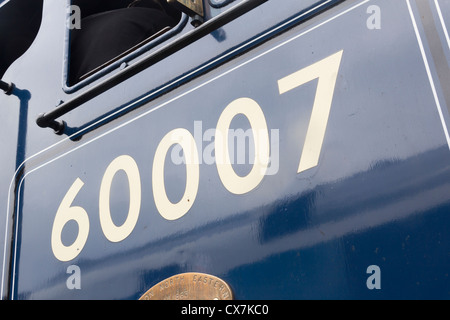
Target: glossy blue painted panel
379	196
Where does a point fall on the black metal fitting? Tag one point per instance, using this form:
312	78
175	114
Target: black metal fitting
6	87
57	126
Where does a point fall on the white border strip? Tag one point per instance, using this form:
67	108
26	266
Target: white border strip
427	67
157	108
3	3
441	18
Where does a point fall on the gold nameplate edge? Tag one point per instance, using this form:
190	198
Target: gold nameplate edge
190	286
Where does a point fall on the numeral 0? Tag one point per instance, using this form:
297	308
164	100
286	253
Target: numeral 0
112	232
234	183
169	210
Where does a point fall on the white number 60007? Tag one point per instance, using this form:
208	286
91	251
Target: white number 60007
325	70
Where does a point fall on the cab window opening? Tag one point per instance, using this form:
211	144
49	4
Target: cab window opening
111	29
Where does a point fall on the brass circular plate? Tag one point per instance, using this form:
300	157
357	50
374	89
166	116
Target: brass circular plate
189	286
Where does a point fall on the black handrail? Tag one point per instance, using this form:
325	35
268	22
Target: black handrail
48	120
6	87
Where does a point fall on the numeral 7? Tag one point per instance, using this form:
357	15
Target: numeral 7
326	70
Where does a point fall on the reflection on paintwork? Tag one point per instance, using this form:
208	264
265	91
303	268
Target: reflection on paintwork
378	196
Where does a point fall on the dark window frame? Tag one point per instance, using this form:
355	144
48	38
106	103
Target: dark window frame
119	61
